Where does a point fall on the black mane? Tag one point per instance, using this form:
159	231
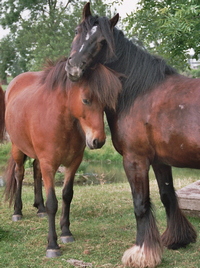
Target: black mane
142	71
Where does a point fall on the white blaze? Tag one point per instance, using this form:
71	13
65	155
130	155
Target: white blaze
92	31
81	48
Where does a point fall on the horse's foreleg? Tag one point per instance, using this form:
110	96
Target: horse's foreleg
39	201
66	235
48	173
179	232
147	251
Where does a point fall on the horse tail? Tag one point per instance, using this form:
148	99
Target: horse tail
11	183
2	114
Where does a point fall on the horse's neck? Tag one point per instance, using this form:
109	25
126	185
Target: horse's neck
116	63
141	71
129	57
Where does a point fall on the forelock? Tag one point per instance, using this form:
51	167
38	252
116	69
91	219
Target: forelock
104	24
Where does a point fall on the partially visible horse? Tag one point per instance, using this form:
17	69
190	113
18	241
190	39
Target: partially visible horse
2	114
157	123
51	119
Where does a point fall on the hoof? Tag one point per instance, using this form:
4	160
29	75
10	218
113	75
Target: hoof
42	214
141	258
53	253
67	239
16	217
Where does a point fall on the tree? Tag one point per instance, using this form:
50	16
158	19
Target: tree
169	28
42	29
7	54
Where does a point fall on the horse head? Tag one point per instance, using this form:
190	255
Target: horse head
93	35
84	106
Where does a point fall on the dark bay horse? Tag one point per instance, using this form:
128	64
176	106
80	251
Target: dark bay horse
2	114
156	123
51	119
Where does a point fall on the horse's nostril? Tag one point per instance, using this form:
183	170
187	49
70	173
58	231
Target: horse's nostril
95	143
83	63
69	59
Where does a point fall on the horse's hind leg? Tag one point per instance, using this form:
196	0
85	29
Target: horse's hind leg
66	235
179	232
39	201
16	175
147	251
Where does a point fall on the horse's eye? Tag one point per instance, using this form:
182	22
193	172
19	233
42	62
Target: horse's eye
86	102
76	31
102	42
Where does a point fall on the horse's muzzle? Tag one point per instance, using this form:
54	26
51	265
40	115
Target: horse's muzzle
95	144
74	73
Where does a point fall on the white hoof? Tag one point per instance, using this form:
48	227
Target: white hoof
53	253
141	257
42	215
67	239
16	217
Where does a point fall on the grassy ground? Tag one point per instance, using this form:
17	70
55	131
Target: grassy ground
103	225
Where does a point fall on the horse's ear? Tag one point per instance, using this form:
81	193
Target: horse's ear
86	11
114	21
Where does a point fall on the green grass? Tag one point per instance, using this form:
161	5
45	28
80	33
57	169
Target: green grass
4	155
102	223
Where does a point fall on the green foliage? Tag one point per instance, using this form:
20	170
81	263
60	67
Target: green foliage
7	55
195	73
39	30
167	27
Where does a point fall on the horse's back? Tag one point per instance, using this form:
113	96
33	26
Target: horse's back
20	83
174	123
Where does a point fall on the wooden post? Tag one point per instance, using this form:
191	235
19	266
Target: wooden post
189	199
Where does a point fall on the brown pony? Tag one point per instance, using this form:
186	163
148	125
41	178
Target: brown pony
157	123
51	119
2	114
